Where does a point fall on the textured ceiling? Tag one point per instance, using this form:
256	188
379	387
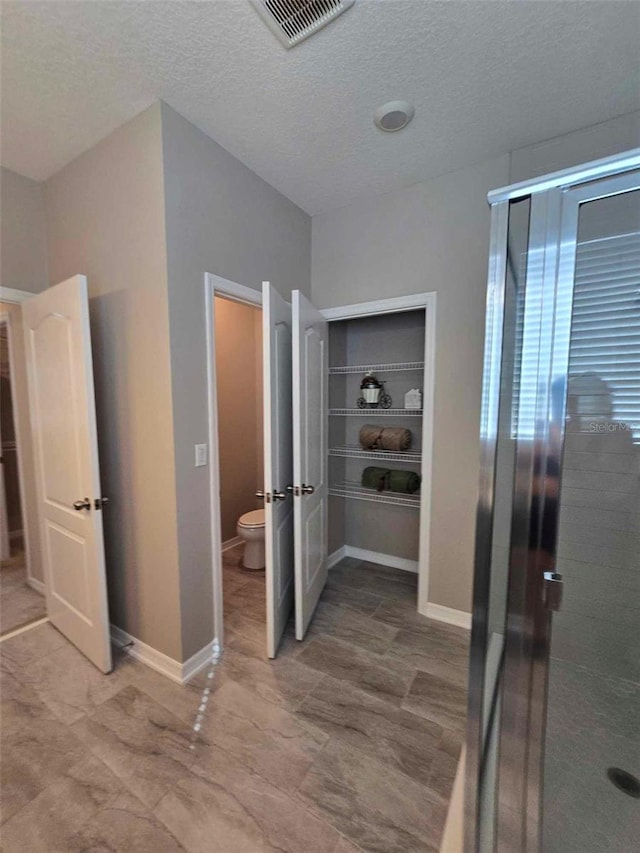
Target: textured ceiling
485	77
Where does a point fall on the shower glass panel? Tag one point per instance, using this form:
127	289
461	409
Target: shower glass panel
593	701
512	280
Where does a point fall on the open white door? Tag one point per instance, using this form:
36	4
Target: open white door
310	459
63	419
278	463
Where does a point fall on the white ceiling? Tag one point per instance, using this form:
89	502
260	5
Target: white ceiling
485	77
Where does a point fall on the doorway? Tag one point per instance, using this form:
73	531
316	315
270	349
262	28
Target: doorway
238	367
20	603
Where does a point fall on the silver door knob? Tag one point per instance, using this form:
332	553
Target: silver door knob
279	496
307	490
100	503
260	495
83	504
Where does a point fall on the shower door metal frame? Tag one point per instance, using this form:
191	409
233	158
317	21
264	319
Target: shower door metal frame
553	231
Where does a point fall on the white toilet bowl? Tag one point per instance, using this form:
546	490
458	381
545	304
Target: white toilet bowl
251	529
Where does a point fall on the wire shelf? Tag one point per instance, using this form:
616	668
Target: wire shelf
358	492
377	368
354	451
378	413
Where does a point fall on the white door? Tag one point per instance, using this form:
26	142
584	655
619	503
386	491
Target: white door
63	418
310	459
278	463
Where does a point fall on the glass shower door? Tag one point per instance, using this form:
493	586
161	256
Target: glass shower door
592	737
553	743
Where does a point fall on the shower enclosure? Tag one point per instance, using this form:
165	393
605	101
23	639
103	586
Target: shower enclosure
553	748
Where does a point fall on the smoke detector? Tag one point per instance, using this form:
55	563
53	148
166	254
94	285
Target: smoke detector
292	21
394	115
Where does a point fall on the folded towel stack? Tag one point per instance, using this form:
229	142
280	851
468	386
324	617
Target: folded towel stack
393	480
374	437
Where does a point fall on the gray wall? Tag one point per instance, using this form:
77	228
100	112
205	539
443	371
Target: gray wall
435	236
220	218
431	236
105	218
23	246
581	146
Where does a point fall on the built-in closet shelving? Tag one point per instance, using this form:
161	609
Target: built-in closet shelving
377	413
392	347
355	490
377	368
354	451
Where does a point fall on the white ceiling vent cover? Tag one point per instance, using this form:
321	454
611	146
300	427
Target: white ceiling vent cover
292	21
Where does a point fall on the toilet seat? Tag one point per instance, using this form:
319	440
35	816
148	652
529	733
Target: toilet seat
252	520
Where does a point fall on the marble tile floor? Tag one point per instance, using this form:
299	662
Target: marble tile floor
19	603
344	743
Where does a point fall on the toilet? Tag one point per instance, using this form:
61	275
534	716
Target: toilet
251	530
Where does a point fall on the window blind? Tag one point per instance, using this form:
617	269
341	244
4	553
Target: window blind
604	336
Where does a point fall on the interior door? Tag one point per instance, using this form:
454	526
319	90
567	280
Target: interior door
63	417
278	463
310	460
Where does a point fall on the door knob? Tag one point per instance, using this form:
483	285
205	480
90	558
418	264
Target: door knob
265	496
307	490
279	496
99	503
84	504
290	489
260	495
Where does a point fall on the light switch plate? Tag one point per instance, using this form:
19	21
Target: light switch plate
201	455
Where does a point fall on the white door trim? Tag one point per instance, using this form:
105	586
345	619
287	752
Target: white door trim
10	294
393	305
28	512
414	302
214	284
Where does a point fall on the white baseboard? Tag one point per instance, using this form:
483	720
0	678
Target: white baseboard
28	627
34	583
453	835
200	660
382	559
231	543
334	559
172	669
447	614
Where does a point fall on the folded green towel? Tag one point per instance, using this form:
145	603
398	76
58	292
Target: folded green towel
406	482
375	478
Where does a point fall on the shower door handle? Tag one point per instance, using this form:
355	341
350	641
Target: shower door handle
552	586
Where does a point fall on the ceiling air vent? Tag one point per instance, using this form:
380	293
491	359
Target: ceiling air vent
292	21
